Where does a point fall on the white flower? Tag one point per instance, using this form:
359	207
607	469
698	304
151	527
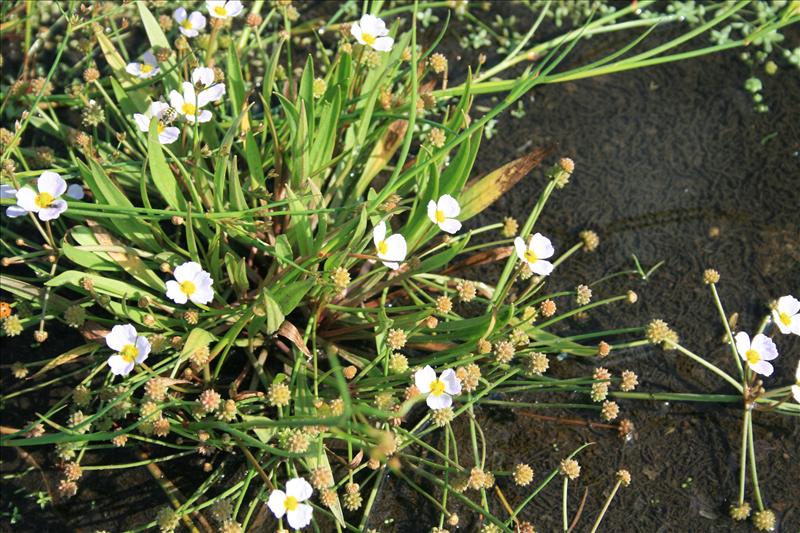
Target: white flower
220	9
189	104
189	25
131	348
288	503
47	203
371	31
756	353
443	213
147	69
439	390
191	283
391	250
534	254
796	386
166	134
204	77
787	315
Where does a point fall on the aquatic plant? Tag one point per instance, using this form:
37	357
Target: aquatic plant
272	264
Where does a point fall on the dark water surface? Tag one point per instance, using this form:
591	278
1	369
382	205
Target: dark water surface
672	164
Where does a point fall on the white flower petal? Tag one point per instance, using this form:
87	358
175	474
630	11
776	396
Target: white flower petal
355	31
391	265
234	7
142	122
450	225
300	517
143	347
187	271
542	268
7	191
449	206
379	232
452	385
134	69
212	94
169	135
176	100
423	379
203	116
742	340
383	44
276	503
432	211
189	94
15	211
762	367
53	211
541	246
75	191
198	21
175	293
150	58
789	305
120	336
119	366
765	347
520	248
202	296
157	109
26	199
396	248
51	183
795	325
299	488
371	24
439	402
203	75
179	15
796	393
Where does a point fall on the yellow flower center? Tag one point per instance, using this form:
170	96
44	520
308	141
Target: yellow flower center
437	387
188	109
43	199
222	12
129	353
785	318
530	256
752	356
188	288
383	247
368	38
439	216
160	127
290	503
187	24
145	68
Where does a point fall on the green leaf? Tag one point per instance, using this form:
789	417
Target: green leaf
102	285
162	175
107	192
273	310
158	40
198	338
483	192
237	272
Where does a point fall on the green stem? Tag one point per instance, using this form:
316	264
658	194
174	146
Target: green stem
751	451
605	507
743	459
731	342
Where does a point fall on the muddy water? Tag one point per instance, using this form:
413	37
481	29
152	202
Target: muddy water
672	164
